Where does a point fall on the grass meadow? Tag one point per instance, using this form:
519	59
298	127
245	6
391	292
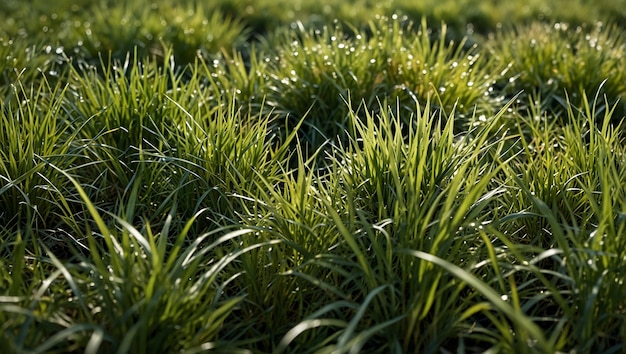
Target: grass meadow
305	176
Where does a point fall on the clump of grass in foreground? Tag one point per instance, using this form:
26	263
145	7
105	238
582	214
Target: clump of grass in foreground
131	291
560	238
384	246
368	246
390	246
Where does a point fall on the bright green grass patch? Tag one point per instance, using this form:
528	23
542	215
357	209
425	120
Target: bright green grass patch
308	177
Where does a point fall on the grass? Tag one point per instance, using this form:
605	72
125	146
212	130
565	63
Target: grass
311	177
556	62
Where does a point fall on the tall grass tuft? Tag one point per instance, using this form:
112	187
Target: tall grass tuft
35	132
132	290
562	229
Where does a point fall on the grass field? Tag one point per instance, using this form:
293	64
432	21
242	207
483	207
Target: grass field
306	176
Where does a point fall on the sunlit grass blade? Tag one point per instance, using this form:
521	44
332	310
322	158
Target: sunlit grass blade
494	298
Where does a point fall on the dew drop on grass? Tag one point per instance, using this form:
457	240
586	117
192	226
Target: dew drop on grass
504	297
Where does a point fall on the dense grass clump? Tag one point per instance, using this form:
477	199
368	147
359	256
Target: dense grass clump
312	177
319	74
560	64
